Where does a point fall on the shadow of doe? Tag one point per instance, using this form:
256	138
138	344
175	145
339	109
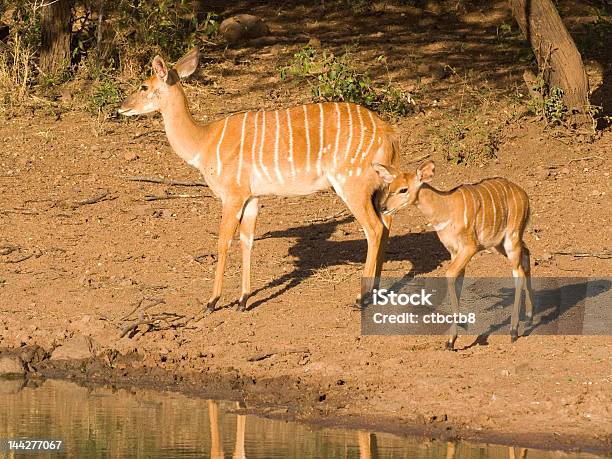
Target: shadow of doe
314	251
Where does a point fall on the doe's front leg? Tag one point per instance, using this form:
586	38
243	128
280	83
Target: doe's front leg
232	210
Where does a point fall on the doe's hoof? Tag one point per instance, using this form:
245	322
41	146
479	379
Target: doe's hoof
242	305
513	336
449	346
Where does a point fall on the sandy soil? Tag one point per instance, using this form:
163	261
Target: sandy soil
77	268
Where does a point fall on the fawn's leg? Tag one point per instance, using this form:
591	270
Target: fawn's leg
526	264
455	271
247	235
514	249
232	209
387	221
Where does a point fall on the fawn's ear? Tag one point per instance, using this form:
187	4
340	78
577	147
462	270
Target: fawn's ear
160	69
426	171
387	173
188	64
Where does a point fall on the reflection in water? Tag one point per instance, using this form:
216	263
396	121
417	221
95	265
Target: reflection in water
118	423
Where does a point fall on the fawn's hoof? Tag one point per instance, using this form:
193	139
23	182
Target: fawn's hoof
529	321
449	346
513	336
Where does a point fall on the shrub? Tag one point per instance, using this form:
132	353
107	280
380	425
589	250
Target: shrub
334	78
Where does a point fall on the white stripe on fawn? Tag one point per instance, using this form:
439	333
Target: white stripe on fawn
350	136
482	211
254	146
338	127
240	155
307	132
219	146
276	142
367	150
354	158
290	159
261	147
321	125
465	215
501	192
484	185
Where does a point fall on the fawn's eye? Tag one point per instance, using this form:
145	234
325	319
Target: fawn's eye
144	87
402	190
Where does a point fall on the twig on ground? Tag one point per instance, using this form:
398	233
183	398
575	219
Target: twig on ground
158	131
19	211
154	197
585	158
602	255
96	199
163	181
154	302
36	253
336	216
266	355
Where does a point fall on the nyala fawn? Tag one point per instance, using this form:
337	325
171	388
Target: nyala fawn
492	213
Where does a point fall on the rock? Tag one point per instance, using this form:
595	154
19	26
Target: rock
130	155
314	43
11	366
77	348
242	27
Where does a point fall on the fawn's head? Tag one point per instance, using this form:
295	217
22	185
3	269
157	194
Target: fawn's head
155	92
403	187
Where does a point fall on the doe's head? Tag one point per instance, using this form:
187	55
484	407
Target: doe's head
403	187
154	92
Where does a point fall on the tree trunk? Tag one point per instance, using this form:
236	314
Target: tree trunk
557	55
56	29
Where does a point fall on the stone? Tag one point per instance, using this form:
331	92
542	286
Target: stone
242	27
11	366
77	348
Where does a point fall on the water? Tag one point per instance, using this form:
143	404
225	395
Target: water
105	422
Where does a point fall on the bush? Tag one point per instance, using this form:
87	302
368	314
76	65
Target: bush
335	78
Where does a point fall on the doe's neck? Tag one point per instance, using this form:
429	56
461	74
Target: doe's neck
184	134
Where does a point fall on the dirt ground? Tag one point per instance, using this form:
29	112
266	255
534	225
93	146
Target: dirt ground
71	267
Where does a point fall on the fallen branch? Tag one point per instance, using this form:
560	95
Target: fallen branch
163	181
154	197
602	255
336	216
35	253
19	211
96	199
585	158
267	355
154	302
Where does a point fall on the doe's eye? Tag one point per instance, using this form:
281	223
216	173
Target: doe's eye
144	87
403	190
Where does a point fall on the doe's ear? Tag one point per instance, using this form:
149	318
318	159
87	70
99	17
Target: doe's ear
188	64
160	69
426	171
387	173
